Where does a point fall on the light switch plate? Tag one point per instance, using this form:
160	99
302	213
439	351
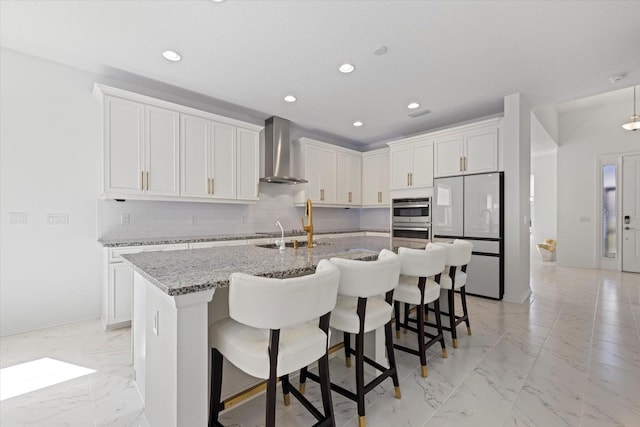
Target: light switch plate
58	219
17	218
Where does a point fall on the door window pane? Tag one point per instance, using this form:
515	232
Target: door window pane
609	225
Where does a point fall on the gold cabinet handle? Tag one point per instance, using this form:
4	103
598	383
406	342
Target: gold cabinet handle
142	180
213	186
322	194
461	164
412	179
379	196
465	163
147	181
208	185
349	196
408	182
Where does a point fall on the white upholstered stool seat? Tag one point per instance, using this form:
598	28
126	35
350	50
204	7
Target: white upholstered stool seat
276	327
421	273
345	316
408	292
446	282
246	347
364	303
455	279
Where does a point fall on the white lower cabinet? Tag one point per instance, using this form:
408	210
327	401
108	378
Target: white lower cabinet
118	283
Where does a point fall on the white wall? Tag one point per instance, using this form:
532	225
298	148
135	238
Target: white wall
544	170
49	133
516	140
584	135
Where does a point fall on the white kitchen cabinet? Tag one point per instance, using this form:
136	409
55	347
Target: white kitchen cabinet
411	163
469	149
158	150
248	164
348	178
317	163
218	161
141	149
375	178
118	283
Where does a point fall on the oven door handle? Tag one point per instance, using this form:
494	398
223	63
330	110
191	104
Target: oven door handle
411	205
412	228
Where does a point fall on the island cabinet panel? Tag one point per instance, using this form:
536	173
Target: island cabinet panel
157	150
375	178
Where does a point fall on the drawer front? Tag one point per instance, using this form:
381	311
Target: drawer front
200	245
115	253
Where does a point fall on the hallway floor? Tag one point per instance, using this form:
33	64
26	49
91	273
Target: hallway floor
569	356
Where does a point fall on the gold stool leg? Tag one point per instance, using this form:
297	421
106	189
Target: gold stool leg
302	387
444	353
398	394
425	371
468	330
361	422
455	343
347	361
287	399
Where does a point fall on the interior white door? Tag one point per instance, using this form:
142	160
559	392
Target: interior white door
631	213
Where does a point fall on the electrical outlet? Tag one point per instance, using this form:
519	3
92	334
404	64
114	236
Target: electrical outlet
58	219
125	219
194	219
17	218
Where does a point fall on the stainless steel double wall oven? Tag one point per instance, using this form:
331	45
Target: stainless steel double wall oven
411	222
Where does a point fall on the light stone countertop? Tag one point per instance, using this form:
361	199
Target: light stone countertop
193	270
116	243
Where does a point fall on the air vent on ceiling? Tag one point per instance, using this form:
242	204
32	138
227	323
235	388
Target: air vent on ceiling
419	113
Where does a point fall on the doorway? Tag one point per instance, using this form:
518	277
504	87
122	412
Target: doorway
630	218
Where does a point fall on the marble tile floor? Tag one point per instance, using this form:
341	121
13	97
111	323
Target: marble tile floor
568	356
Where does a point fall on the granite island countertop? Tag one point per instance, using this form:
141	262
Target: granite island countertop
144	241
192	270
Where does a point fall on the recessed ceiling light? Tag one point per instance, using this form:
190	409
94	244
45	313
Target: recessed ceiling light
358	124
413	105
171	55
290	98
347	68
217	1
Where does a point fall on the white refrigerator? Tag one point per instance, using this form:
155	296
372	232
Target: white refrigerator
471	207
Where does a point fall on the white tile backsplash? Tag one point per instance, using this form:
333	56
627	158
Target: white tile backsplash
174	219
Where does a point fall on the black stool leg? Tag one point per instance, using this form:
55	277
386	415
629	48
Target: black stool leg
452	318
421	344
303	379
407	309
274	341
285	389
216	387
436	307
396	309
388	338
325	387
463	298
347	349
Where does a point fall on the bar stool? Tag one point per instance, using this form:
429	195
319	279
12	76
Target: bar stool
269	334
361	308
455	278
420	285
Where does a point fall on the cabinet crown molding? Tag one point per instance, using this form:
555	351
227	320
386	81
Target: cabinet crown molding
489	123
101	90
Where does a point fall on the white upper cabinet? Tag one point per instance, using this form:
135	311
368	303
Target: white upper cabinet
141	149
158	150
348	178
375	178
334	174
411	163
123	146
248	164
467	149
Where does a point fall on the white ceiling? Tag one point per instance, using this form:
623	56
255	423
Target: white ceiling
458	59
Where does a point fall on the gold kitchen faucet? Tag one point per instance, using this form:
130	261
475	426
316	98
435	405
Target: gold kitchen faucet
309	227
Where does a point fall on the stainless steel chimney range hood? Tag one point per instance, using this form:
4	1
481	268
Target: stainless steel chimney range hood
277	158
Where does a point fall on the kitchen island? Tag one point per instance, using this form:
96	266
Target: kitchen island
173	305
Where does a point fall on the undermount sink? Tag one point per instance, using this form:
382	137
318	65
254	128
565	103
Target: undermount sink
301	244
